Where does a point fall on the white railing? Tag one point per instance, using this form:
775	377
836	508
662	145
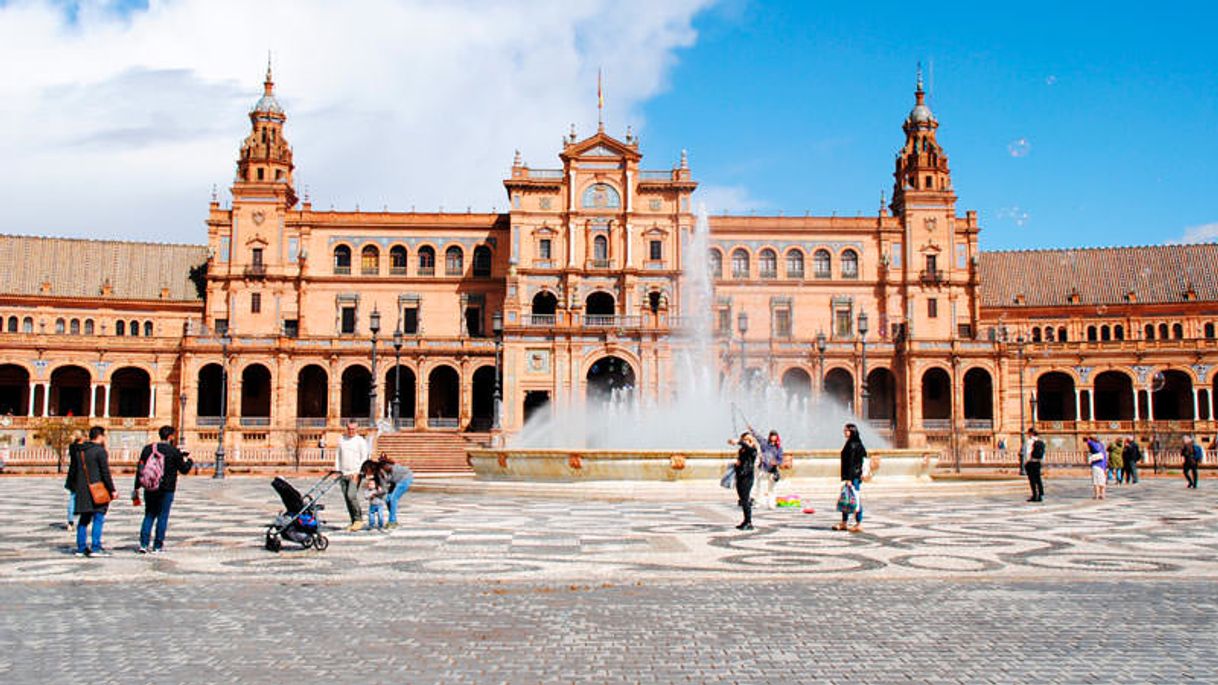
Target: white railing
443	422
541	319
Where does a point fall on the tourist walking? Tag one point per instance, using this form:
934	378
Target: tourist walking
771	461
74	449
89	478
852	457
1192	455
351	454
1034	465
744	467
1097	459
1131	455
156	473
1116	462
397	479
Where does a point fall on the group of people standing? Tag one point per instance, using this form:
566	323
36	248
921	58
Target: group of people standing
753	455
1115	462
378	483
91	489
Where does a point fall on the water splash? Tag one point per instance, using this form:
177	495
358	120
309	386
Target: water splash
702	408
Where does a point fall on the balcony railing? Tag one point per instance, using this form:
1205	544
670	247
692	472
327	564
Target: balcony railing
427	271
546	173
209	421
443	422
255	421
311	422
937	425
342	270
979	424
932	276
601	263
255	271
610	321
541	319
361	421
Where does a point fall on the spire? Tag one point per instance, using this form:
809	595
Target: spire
919	91
268	86
600	104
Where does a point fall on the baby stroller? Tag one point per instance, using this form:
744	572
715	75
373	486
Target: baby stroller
299	521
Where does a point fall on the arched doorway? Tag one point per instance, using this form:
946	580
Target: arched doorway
130	393
978	395
936	395
210	391
839	387
406	400
482	400
312	393
443	397
599	304
1055	397
796	383
1173	397
256	392
1113	396
881	395
544	307
70	390
606	375
356	384
14	389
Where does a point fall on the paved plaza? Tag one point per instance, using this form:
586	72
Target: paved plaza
949	583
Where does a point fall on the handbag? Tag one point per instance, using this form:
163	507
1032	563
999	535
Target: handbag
728	481
97	491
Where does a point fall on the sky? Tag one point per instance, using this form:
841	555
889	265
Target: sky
1066	124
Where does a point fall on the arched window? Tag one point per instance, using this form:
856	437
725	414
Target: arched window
342	260
600	250
1149	331
601	196
454	261
1036	334
59	326
482	261
74	327
1105	332
120	327
740	263
134	328
716	263
850	264
427	260
1118	332
767	264
397	260
27	324
822	264
1061	334
13	324
1177	331
1163	331
1209	328
1091	337
147	329
795	264
370	261
1049	334
88	326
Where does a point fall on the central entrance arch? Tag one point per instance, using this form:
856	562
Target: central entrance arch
606	375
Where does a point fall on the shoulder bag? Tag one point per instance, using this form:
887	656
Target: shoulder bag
97	491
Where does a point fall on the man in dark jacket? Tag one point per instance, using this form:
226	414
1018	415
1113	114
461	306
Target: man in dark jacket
1192	453
92	466
1034	464
1131	455
158	501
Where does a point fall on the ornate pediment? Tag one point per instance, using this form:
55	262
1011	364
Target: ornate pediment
601	146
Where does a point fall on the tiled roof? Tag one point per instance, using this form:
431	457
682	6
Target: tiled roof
1159	274
79	268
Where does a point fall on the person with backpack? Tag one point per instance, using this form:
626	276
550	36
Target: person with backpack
156	473
1192	455
1097	459
1034	464
89	478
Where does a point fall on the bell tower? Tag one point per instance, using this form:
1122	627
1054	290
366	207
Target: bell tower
921	176
265	164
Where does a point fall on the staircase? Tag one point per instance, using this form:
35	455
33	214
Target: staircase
430	452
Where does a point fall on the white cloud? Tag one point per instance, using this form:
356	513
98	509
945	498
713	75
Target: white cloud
727	199
1205	233
117	125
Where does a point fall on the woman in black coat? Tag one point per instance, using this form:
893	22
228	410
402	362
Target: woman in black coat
746	460
853	455
90	465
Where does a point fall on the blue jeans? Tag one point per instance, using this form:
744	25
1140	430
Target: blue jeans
858	515
156	508
392	500
98	519
376	516
71	507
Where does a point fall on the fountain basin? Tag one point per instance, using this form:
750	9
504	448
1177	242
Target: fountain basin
553	465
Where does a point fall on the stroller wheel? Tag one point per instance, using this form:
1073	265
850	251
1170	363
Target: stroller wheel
307	542
273	543
321	543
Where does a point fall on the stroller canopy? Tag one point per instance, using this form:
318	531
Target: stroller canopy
292	500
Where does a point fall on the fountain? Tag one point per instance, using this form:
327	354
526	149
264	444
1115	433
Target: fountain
617	435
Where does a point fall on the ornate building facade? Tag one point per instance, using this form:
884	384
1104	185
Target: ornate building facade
479	320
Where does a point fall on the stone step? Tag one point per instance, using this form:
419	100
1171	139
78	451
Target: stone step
430	452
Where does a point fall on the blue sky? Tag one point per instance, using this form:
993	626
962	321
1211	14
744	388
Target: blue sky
799	105
1067	124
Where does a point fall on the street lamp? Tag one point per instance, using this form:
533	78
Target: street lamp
397	374
497	329
1022	430
742	325
821	344
224	341
863	327
374	325
182	420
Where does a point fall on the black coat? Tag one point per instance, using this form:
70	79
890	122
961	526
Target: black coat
97	464
746	459
175	463
853	454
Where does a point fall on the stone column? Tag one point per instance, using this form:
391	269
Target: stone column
152	400
1078	404
1091	403
1150	402
46	399
1136	409
420	404
106	400
1196	403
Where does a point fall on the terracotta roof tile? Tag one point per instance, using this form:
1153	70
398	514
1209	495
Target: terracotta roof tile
1157	274
79	268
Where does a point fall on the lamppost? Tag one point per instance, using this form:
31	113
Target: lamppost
182	420
742	325
397	375
863	327
374	325
1022	430
224	341
821	345
497	329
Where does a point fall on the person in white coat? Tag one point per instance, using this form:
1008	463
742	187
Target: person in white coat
353	450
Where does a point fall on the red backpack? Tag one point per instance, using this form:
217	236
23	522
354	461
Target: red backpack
153	470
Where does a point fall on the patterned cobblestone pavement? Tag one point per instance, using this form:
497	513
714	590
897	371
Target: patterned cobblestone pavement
967	588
